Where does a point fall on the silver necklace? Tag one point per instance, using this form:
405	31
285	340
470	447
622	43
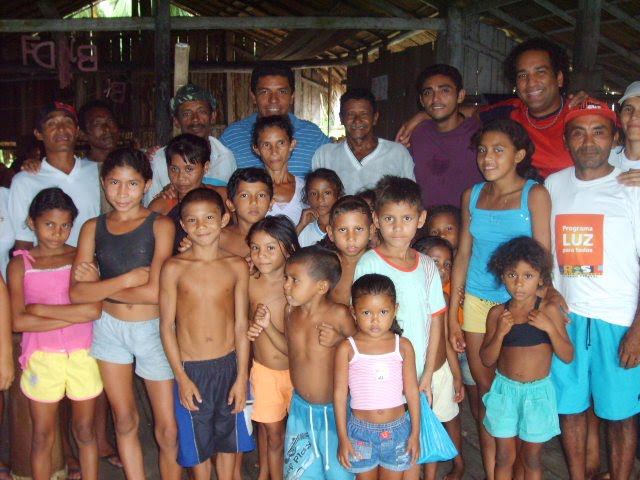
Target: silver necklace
557	116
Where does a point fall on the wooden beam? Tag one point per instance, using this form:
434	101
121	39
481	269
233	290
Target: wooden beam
162	71
480	6
586	76
219	23
621	15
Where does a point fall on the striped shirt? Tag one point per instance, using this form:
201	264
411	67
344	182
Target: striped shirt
238	138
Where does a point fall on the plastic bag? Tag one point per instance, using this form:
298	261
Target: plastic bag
435	443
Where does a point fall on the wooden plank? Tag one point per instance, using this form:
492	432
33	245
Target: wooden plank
162	71
220	23
587	33
621	15
480	6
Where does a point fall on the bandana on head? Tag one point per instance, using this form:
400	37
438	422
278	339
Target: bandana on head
191	93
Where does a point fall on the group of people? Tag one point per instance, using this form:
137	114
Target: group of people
319	289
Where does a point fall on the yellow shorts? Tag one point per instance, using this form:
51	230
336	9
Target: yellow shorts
49	376
272	392
444	407
475	314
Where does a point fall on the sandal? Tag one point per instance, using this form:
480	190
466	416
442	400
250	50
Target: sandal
112	459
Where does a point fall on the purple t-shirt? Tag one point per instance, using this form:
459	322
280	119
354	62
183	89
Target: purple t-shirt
445	163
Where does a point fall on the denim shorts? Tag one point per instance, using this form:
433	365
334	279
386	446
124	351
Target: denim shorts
524	410
467	378
120	341
383	444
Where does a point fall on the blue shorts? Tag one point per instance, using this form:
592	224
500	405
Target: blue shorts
212	428
523	410
120	341
311	443
383	444
595	372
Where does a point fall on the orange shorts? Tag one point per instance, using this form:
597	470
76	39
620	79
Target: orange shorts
272	392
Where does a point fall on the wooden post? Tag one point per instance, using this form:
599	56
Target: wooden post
451	44
181	71
229	94
162	56
586	75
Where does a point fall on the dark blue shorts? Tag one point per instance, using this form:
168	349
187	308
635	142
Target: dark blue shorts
213	428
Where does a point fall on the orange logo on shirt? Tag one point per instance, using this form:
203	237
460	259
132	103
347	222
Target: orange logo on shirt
579	244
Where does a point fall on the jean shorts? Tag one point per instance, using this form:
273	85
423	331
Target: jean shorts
120	341
383	444
524	410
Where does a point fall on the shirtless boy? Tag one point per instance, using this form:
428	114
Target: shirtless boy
203	324
311	441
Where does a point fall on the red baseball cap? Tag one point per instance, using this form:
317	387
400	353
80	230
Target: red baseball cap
591	106
48	109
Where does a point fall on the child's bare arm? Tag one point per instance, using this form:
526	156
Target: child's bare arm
499	322
454	364
83	288
164	231
187	390
262	323
540	207
7	371
238	392
412	394
22	320
346	325
435	332
74	313
459	275
549	319
340	391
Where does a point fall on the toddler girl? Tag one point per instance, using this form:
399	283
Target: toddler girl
129	245
522	336
321	190
55	344
376	366
509	204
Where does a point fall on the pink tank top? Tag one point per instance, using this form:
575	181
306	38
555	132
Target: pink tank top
375	381
50	287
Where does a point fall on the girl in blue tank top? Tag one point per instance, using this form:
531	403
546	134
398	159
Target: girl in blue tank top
509	204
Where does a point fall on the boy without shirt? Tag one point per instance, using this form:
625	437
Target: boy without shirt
204	335
250	197
311	440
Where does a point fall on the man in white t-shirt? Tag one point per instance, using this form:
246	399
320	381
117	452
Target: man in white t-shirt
194	111
595	225
57	129
363	158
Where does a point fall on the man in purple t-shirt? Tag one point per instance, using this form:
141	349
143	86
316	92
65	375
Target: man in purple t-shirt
445	162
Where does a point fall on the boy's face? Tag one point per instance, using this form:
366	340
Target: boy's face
444	225
185	176
350	232
398	223
203	222
442	258
251	202
300	287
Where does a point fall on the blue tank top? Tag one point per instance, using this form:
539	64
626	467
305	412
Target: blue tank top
490	229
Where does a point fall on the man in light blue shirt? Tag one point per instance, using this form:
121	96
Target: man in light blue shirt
272	89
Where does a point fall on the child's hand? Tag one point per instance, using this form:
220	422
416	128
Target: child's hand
456	339
254	331
425	386
188	393
86	272
238	396
185	244
345	453
505	322
31	165
169	192
151	151
137	277
308	216
461	292
328	336
458	389
413	447
262	317
540	320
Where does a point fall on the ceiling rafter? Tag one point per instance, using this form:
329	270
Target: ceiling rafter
621	15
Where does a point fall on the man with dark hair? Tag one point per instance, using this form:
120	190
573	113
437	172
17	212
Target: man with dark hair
272	90
441	149
595	226
194	111
363	158
99	127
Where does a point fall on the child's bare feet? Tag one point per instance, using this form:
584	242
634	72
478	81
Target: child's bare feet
455	473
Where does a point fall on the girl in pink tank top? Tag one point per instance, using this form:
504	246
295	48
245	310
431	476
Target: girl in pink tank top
376	367
56	335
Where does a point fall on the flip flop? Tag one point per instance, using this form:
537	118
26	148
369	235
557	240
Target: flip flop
74	473
5	473
112	459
